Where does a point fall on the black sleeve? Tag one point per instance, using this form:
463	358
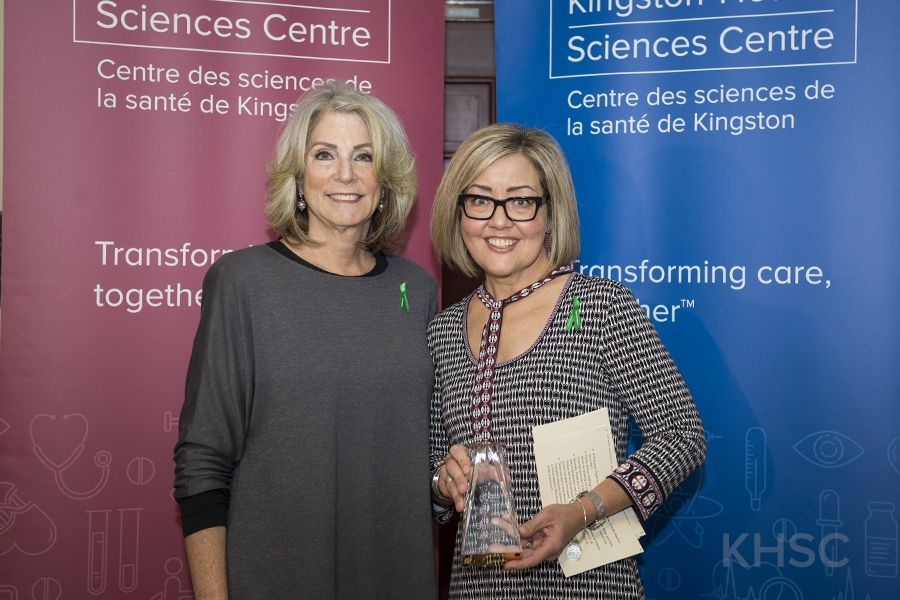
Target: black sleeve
204	510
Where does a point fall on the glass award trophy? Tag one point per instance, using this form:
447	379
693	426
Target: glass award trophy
490	527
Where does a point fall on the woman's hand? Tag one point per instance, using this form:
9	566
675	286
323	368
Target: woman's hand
455	474
549	532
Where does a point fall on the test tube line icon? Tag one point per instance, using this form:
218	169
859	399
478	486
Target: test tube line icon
129	537
99	550
98	542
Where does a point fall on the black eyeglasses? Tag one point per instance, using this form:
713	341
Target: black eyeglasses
482	208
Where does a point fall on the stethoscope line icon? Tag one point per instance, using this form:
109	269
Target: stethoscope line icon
102	459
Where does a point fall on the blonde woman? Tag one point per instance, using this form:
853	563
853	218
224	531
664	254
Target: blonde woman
310	378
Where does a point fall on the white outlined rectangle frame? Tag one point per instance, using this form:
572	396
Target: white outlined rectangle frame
550	74
386	61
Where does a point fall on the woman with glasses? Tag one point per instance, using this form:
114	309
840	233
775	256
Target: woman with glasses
537	343
310	377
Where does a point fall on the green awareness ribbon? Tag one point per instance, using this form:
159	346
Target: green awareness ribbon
404	298
574	320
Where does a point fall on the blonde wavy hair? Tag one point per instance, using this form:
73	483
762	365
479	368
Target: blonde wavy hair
392	158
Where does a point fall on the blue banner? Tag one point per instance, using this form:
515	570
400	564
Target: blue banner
737	166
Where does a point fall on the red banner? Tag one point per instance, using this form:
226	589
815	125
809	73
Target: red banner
136	138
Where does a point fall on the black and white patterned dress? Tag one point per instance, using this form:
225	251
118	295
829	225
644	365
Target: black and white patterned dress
615	360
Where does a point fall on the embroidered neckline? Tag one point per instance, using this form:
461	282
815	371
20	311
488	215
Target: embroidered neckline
482	389
464	333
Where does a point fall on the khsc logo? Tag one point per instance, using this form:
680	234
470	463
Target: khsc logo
800	550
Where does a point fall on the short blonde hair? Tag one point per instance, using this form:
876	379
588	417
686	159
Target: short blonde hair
392	159
474	156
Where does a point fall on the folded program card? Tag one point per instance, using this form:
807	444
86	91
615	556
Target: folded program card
573	455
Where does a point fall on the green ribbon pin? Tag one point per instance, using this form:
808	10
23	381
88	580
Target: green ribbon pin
404	298
574	320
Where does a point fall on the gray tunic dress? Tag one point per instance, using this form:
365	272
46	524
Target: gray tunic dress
307	398
615	360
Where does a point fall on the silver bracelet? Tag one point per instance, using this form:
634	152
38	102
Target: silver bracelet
583	511
580	535
598	504
436	494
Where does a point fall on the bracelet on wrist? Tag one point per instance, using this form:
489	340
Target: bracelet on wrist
436	494
580	535
594	499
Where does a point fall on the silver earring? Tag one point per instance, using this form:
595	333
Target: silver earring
547	240
301	203
381	206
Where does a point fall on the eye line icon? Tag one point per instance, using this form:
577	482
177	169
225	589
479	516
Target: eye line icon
828	449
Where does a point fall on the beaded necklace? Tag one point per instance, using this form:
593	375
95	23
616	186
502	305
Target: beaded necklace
487	354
